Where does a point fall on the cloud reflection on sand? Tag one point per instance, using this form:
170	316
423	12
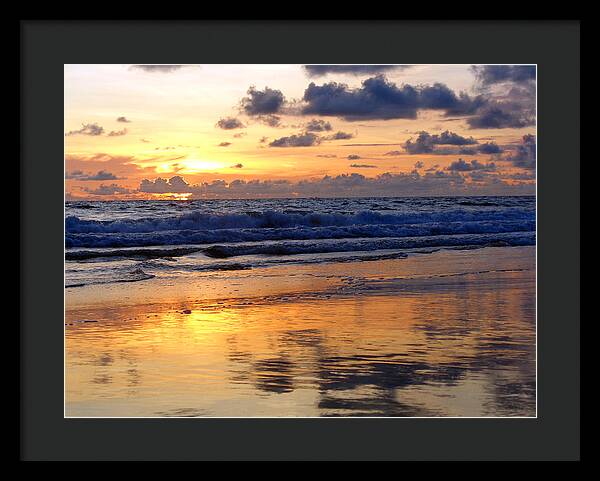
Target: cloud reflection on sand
448	346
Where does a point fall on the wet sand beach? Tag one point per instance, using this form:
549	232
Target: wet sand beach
448	333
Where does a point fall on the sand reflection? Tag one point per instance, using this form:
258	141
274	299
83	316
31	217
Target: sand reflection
454	348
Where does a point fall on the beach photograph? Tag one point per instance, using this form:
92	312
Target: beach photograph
300	241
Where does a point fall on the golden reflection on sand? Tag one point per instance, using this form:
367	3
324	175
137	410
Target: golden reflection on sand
376	345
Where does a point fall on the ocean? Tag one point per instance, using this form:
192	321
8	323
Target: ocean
301	307
132	241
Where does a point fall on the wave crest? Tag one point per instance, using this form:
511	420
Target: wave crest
201	221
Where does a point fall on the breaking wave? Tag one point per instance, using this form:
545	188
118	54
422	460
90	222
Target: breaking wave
201	221
110	242
229	235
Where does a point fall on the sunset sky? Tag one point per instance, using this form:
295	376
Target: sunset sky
238	131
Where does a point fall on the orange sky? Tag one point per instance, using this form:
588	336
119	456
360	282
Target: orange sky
125	123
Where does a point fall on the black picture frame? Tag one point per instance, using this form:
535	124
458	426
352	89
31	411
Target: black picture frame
47	45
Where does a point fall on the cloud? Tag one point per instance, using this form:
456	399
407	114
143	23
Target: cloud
158	68
175	184
363	166
502	115
229	123
74	174
263	140
372	145
123	119
237	166
300	140
327	156
87	129
340	136
378	98
525	155
510	91
353	157
119	165
321	70
117	133
461	166
419	164
261	102
490	148
111	189
467	105
224	144
146	141
394	153
494	74
239	135
350	185
101	175
522	176
269	120
425	142
450	138
317	126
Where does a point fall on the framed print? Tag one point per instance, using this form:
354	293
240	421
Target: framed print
302	245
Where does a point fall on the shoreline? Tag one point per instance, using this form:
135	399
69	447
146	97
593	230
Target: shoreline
298	278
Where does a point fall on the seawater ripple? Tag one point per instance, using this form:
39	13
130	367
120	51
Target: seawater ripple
106	241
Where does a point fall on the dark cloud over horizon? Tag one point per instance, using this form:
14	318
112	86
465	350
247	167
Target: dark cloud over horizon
270	120
101	175
340	136
461	166
425	143
261	102
321	70
117	133
158	68
511	91
494	74
354	185
490	148
525	154
306	139
229	123
87	129
378	98
112	189
501	115
317	125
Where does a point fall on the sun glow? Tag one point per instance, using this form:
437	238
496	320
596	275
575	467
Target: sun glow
172	196
198	165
